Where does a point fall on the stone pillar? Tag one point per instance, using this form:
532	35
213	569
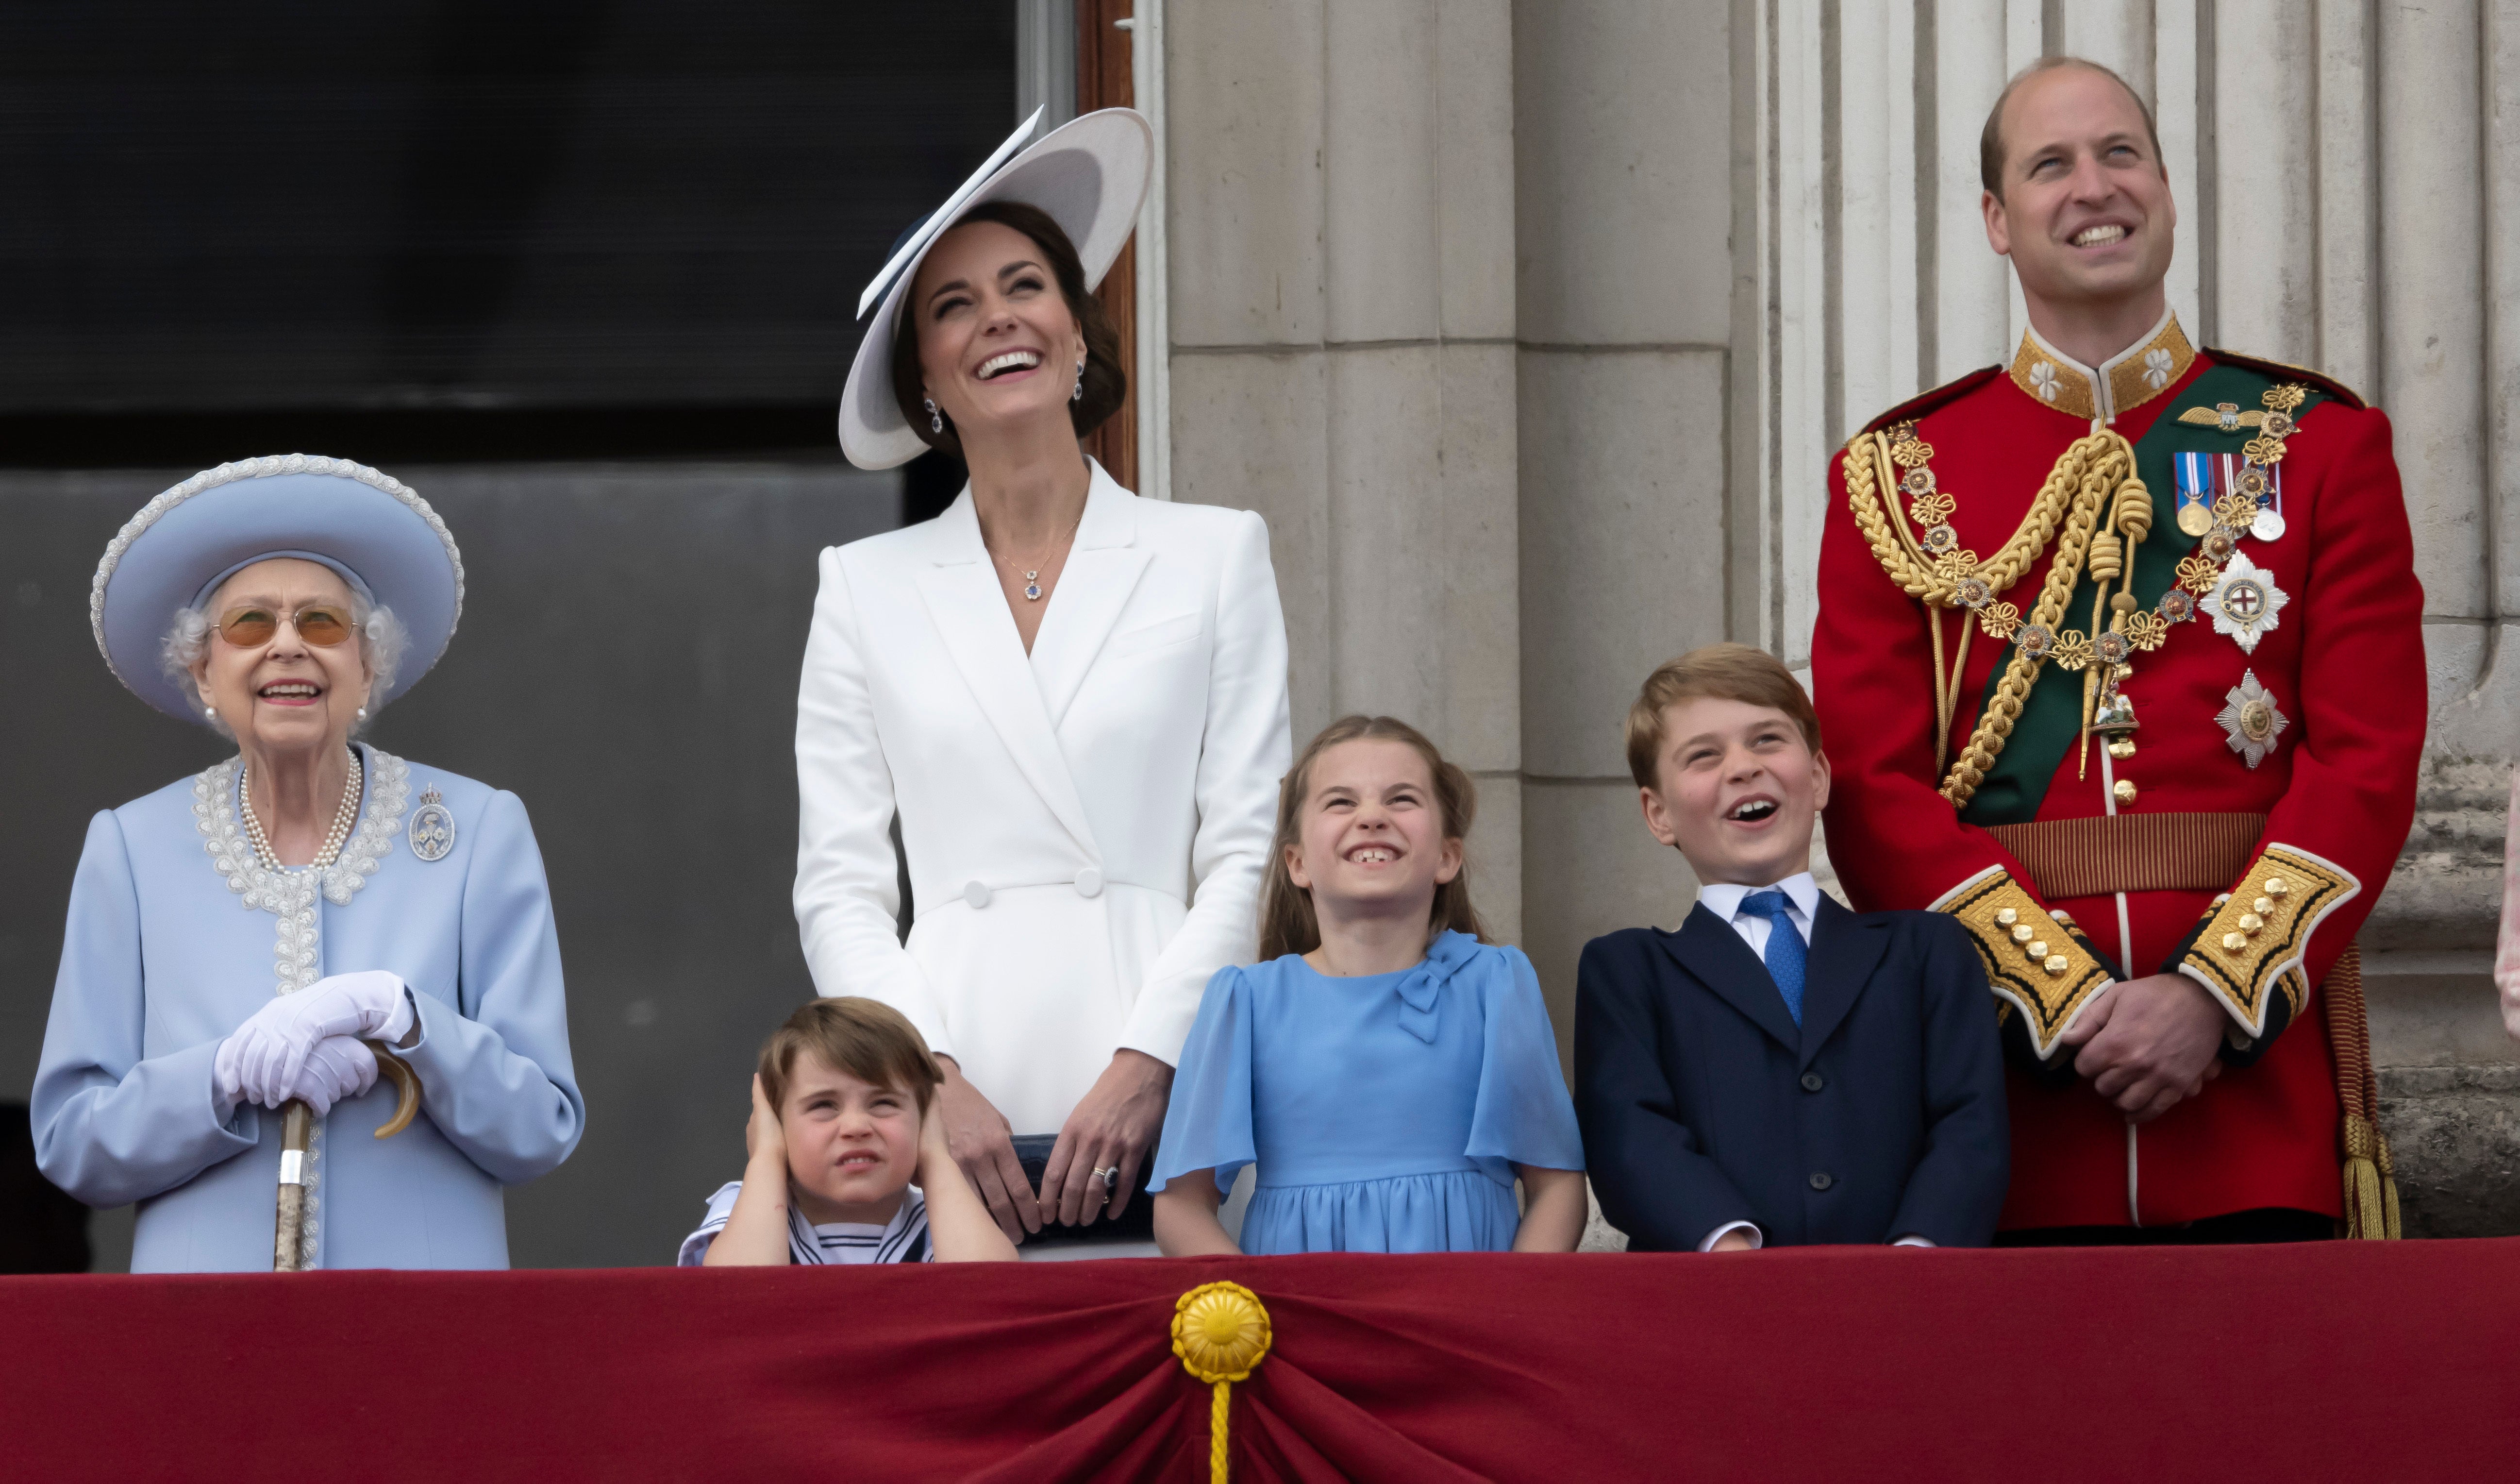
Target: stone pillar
1342	214
1622	111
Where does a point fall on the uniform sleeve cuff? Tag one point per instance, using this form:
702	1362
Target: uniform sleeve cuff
2036	960
2249	949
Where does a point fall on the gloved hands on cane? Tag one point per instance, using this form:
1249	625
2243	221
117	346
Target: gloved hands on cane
306	1044
336	1069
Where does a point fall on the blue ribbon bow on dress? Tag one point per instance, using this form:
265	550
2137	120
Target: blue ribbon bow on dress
1421	988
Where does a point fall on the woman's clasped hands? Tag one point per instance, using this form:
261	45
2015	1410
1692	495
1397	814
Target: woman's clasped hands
309	1046
1112	1128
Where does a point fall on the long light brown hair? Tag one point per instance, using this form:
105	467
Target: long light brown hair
1287	924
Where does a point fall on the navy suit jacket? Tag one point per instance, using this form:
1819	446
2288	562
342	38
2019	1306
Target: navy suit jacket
1702	1103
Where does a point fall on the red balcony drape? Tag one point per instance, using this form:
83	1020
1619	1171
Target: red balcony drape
2364	1361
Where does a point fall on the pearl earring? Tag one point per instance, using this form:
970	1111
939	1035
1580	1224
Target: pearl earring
935	419
1078	395
363	713
210	710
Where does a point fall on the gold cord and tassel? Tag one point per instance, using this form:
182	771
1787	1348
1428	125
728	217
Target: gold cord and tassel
1221	1332
2371	1178
2068	508
2112	559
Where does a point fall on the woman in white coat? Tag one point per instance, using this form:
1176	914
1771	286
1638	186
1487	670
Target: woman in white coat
1073	700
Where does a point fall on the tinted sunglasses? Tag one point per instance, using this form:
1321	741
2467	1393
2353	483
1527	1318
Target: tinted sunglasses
250	626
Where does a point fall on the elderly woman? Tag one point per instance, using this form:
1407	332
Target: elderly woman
239	938
1072	701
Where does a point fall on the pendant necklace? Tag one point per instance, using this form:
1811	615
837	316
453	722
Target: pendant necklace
1032	574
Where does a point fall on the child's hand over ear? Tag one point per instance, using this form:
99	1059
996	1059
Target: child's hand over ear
765	1141
935	1151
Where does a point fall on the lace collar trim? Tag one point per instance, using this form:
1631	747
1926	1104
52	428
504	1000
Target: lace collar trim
215	806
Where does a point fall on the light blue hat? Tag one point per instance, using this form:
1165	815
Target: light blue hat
370	527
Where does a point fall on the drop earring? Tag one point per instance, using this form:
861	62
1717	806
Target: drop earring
1078	395
935	419
363	713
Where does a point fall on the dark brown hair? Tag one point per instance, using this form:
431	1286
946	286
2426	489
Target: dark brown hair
1287	920
1990	140
867	1039
1107	385
1725	672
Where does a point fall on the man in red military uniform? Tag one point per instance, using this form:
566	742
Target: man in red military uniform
2120	660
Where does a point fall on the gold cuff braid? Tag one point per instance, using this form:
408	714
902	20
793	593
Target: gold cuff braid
2033	960
2252	946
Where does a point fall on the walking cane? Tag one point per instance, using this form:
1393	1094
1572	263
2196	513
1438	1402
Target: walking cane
297	1126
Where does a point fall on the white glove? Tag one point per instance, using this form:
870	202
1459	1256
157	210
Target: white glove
263	1060
337	1069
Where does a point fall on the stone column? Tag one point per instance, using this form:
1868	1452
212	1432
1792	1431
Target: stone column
1342	211
1623	121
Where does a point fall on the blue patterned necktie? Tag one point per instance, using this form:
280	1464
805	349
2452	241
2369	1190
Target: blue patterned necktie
1786	950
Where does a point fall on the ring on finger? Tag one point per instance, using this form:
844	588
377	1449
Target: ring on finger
1110	1178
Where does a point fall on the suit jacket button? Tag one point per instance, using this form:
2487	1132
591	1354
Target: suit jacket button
1089	882
1813	1081
1822	1180
976	893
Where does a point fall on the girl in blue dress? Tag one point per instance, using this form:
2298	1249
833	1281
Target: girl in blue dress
1389	1072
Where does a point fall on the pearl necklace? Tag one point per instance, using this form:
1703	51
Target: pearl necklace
344	820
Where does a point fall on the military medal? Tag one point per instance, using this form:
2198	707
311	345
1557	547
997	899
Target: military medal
432	828
2205	479
2251	722
2244	602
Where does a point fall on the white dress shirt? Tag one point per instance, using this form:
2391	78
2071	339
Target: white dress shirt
1802	906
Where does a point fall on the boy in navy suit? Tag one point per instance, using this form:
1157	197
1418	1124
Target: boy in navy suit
1781	1070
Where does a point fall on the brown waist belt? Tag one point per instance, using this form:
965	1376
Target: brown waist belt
2134	852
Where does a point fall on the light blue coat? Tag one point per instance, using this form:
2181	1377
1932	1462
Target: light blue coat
176	936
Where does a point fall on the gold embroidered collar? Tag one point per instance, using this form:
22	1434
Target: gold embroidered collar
2132	377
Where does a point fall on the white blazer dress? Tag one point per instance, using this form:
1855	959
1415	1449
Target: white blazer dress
1085	827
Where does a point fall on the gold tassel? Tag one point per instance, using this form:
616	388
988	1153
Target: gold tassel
2366	1216
2370	1184
2387	1184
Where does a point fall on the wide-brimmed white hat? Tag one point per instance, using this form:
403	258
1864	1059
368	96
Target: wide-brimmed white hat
1090	174
371	527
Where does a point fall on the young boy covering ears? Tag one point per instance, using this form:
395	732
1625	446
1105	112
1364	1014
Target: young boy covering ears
841	1128
1781	1070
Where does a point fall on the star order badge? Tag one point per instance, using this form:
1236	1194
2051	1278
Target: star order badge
432	828
2244	602
2251	723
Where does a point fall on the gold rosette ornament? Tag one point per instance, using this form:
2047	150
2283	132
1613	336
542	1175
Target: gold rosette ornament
1221	1332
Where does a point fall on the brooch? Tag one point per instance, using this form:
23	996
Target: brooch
2244	602
2251	722
432	828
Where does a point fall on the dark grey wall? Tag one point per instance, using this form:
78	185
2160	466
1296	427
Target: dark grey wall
468	202
627	664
